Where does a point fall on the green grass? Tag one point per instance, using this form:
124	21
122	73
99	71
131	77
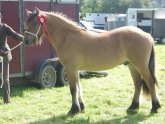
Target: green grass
106	98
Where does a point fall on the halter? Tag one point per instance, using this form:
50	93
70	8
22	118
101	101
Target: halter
41	20
35	34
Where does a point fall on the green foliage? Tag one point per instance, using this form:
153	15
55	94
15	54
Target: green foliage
111	6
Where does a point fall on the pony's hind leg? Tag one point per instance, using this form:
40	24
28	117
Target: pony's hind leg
151	84
137	84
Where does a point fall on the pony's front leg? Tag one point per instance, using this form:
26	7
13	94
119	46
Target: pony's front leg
73	84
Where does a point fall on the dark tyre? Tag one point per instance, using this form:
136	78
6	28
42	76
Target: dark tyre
47	76
61	76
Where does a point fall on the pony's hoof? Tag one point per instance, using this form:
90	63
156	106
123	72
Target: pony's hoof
71	113
155	110
132	111
74	110
155	107
82	106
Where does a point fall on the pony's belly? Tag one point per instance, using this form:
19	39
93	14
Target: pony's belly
102	61
99	66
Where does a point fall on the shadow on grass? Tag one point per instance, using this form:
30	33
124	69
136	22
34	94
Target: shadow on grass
128	119
17	87
88	75
63	119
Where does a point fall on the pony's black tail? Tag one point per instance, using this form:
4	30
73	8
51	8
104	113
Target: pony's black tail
151	67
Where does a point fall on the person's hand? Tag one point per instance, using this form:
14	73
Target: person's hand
21	37
2	53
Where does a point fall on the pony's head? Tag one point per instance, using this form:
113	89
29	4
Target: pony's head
33	27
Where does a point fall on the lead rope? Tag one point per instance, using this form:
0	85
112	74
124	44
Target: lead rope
1	60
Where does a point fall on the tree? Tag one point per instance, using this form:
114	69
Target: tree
112	6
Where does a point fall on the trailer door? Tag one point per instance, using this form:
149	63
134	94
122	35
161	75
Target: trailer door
132	17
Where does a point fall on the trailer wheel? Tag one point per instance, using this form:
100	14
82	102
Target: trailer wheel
61	76
47	76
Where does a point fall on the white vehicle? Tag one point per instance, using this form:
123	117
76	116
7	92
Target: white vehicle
87	26
150	20
97	20
115	21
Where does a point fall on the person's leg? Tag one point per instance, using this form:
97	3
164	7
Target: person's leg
6	85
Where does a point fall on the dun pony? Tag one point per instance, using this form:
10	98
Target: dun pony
80	49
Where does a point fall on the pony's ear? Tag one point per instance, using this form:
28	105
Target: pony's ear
28	12
37	11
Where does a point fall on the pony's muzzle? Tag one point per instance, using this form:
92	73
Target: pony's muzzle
30	37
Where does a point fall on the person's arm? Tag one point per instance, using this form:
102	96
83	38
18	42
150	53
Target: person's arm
13	33
2	53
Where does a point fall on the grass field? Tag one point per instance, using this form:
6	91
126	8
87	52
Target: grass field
106	98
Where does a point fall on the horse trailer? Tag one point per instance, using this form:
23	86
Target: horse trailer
97	20
150	20
37	63
115	21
